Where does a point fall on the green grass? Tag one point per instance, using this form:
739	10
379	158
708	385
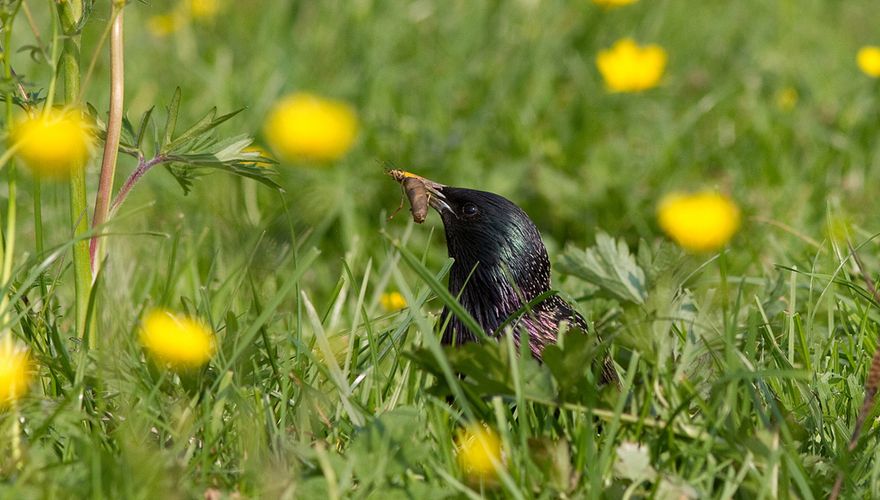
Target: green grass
742	373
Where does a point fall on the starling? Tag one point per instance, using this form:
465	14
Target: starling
500	264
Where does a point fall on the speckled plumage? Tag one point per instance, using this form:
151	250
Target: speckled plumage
500	264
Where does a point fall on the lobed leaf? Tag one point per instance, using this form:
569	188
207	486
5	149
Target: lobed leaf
608	265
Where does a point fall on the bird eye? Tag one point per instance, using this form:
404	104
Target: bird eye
469	210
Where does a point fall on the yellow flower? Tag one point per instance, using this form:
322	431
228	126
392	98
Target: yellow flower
628	67
177	340
15	372
203	9
479	451
162	25
700	222
868	59
305	126
393	301
787	98
53	144
613	3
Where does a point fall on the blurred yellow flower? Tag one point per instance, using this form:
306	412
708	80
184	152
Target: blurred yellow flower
868	59
629	67
177	340
392	301
699	222
15	368
53	144
479	451
787	98
840	227
203	9
613	3
162	25
305	126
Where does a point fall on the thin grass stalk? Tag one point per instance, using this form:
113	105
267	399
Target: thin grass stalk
37	182
9	251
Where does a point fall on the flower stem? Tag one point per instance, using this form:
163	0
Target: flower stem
56	39
142	168
10	231
70	12
38	228
38	215
111	144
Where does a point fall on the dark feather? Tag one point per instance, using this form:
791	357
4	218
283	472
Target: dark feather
501	264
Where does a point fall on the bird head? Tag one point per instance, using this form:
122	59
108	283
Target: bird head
500	261
490	237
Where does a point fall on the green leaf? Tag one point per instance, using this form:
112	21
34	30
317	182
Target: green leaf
227	155
662	259
171	120
553	459
92	112
486	368
633	462
35	52
389	445
608	265
195	134
184	176
145	122
127	132
570	363
30	100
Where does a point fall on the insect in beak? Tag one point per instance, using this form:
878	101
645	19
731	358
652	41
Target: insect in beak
422	193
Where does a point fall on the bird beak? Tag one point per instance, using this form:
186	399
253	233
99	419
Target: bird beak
432	190
437	200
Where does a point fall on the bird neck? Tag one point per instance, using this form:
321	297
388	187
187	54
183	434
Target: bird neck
492	286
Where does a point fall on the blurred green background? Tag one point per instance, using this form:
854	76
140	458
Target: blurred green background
506	97
762	100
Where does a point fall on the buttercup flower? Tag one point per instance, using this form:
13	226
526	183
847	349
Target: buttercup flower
613	3
479	450
392	301
868	59
840	227
203	9
305	126
162	25
629	67
700	222
53	144
787	98
14	371
177	340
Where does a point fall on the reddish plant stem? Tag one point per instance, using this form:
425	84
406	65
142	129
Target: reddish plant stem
111	144
142	168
